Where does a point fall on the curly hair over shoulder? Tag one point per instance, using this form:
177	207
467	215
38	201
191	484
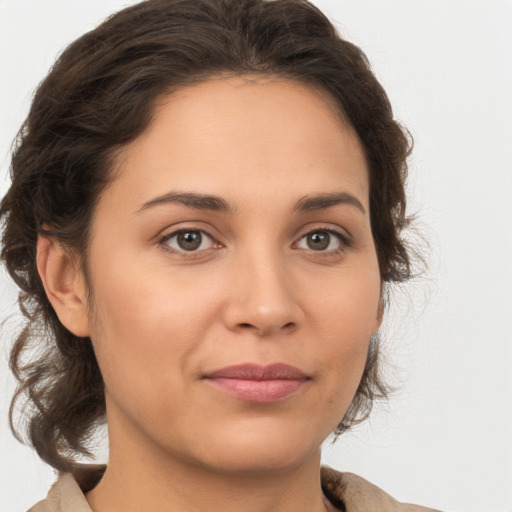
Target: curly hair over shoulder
99	96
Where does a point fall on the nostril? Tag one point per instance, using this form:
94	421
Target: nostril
264	331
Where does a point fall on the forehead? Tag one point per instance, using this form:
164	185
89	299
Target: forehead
239	135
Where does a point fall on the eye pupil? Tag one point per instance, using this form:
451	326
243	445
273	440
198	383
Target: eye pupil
189	240
318	240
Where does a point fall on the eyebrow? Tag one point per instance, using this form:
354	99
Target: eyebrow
215	203
322	201
193	200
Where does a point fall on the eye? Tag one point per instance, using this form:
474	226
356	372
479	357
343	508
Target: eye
322	240
188	240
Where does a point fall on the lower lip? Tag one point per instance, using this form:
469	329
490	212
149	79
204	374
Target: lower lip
262	391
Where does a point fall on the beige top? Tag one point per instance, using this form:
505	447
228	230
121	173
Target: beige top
346	491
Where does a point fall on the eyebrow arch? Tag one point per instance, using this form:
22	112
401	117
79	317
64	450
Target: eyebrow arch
193	200
321	201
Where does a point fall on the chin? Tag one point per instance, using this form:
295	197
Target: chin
260	462
269	451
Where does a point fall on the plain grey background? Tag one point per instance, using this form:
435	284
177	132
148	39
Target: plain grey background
445	439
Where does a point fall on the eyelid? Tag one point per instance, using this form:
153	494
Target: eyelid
164	239
344	238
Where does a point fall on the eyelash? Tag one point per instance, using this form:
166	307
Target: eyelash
164	241
343	239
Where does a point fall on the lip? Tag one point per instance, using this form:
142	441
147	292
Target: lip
257	383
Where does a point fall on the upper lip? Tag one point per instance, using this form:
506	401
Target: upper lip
251	371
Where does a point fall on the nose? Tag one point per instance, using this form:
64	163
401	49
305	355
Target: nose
262	299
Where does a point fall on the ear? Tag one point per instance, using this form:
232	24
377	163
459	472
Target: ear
64	285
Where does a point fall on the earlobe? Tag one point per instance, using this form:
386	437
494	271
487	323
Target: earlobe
64	285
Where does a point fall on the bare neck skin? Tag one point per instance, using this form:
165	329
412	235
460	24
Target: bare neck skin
137	477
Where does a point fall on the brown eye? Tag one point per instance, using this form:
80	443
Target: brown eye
188	240
324	240
318	241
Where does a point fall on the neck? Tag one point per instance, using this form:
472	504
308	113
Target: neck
136	480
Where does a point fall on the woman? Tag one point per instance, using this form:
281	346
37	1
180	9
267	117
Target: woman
206	209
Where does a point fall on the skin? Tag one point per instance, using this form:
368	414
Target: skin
256	290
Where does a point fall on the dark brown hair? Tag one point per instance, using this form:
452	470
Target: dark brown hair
99	96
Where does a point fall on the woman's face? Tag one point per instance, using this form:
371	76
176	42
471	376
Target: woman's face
235	237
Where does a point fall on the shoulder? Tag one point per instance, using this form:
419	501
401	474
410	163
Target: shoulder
68	492
352	493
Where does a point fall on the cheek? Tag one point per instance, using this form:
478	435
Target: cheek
345	317
147	323
346	307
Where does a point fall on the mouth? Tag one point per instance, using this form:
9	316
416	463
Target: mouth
256	383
